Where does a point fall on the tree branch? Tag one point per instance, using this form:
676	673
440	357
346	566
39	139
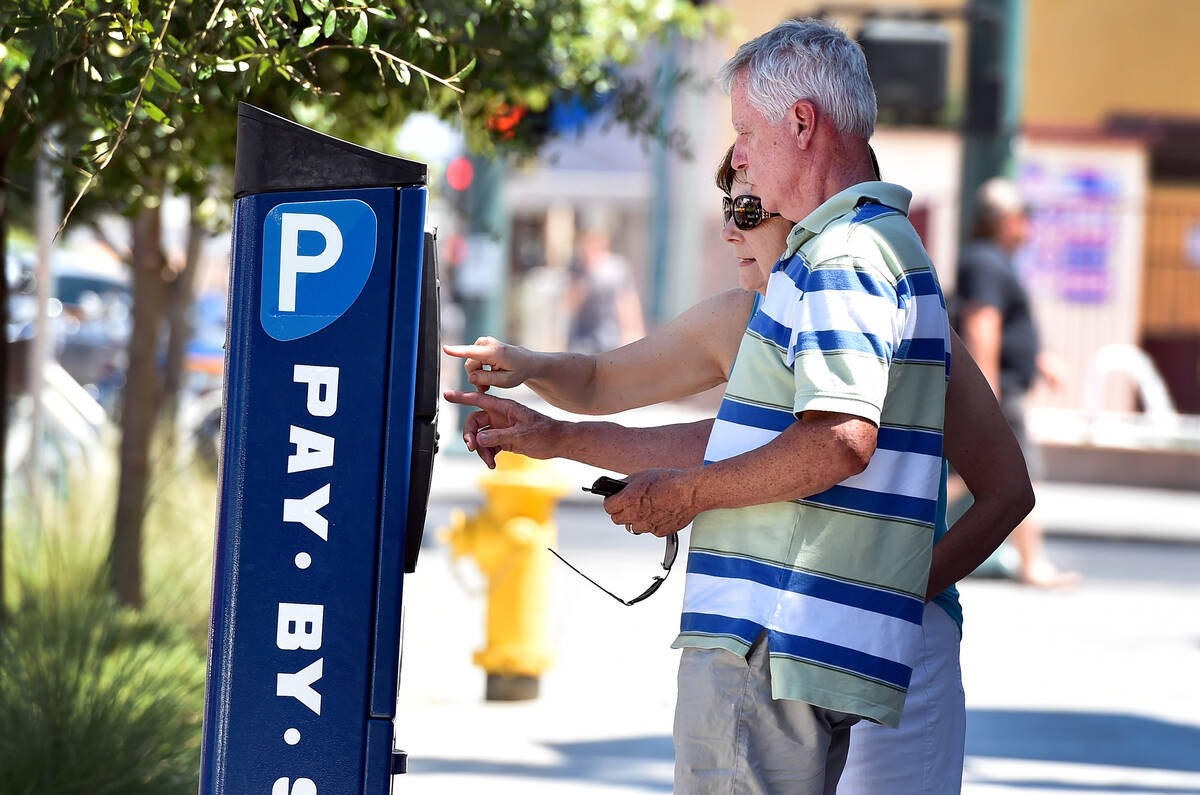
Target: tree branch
123	253
374	50
154	54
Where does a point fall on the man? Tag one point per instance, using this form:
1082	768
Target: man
810	559
996	324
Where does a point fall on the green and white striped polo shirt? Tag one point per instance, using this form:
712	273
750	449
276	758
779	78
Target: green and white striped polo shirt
853	322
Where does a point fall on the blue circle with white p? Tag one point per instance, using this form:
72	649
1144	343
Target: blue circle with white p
317	257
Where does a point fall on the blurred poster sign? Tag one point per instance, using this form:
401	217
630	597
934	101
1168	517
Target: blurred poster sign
1075	213
1191	244
1083	262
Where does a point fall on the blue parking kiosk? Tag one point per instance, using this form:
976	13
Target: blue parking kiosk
331	374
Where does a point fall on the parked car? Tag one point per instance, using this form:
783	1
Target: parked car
90	312
94	327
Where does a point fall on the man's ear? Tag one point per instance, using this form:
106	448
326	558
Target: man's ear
804	117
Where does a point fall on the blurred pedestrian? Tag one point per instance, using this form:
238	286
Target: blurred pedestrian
602	301
996	323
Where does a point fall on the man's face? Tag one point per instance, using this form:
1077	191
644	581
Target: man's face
1015	229
766	152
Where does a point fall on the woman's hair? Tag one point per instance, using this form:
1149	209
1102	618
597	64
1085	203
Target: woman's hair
810	60
725	173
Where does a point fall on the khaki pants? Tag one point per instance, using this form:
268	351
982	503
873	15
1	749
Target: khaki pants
732	738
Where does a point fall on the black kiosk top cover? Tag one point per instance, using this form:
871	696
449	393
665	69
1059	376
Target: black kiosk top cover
275	154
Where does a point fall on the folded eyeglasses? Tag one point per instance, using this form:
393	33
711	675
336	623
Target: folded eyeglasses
608	486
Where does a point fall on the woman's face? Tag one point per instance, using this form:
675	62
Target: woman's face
756	249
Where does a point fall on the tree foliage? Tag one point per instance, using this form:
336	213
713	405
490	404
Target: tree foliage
159	71
137	98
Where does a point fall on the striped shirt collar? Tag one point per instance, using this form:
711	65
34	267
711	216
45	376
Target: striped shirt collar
838	205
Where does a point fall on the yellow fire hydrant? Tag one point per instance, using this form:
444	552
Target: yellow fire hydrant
508	539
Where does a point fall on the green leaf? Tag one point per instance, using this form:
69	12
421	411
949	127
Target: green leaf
122	85
470	28
359	34
401	71
330	21
290	8
167	78
309	35
154	112
466	70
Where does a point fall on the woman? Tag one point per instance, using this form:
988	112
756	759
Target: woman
926	753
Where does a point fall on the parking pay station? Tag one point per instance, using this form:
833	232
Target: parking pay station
329	433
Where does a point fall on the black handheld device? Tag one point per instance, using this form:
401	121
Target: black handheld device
606	486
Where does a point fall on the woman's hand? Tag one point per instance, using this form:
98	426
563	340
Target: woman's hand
509	365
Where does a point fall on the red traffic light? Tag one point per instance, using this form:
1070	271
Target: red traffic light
459	173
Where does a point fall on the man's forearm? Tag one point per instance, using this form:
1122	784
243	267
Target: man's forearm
620	449
807	458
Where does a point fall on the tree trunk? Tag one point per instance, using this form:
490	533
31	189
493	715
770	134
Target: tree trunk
181	295
139	406
3	363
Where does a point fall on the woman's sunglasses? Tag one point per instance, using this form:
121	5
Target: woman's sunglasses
746	211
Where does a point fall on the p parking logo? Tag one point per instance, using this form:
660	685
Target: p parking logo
316	260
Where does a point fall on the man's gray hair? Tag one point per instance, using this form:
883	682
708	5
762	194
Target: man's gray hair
806	59
995	199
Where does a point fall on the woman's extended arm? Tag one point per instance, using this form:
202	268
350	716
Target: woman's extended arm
693	352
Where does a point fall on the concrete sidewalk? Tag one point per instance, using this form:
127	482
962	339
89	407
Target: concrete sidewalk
1085	691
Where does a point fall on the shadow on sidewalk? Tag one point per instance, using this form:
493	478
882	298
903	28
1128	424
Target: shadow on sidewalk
616	762
1099	738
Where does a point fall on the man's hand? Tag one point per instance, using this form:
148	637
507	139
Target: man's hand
1052	368
510	364
503	424
656	501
